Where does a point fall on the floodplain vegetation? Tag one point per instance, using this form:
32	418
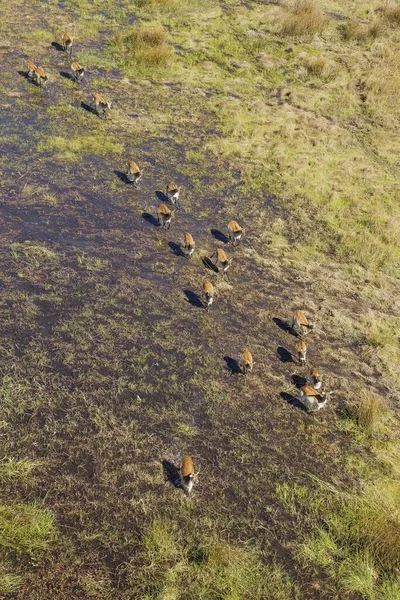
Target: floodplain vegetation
284	116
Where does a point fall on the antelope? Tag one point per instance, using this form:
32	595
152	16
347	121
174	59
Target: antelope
235	232
315	379
187	474
77	71
300	324
40	77
208	290
164	215
173	193
67	42
189	245
32	68
99	102
134	173
222	259
312	399
247	362
302	352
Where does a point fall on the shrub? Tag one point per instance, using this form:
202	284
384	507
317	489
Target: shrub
303	19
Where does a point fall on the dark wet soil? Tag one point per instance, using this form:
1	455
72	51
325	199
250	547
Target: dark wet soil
120	368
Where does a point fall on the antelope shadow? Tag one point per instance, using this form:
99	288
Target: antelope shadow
193	298
25	75
285	326
209	264
150	219
293	401
232	365
68	76
221	237
89	108
57	47
176	248
299	381
123	177
284	355
161	196
171	473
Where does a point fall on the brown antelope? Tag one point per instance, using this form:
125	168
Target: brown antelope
312	399
221	259
208	290
40	76
235	232
134	173
67	42
77	71
102	104
32	68
315	379
302	352
300	324
187	474
164	215
173	193
189	245
247	362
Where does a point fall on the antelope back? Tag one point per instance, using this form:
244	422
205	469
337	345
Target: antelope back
208	287
221	255
300	317
163	209
187	467
247	357
171	187
301	347
234	226
189	241
133	167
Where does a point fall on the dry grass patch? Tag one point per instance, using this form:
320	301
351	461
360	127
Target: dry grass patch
368	411
391	12
144	45
361	32
303	19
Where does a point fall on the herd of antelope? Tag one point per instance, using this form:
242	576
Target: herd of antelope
310	394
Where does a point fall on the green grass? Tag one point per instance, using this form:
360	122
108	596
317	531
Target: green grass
13	468
26	529
215	569
358	543
72	148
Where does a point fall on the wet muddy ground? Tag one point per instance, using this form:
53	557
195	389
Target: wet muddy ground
111	365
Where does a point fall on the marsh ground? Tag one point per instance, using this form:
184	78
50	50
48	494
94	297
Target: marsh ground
111	369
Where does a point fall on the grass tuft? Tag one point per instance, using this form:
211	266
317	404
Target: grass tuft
9	582
144	45
368	412
26	529
303	19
